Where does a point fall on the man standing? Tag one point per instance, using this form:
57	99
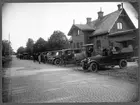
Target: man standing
39	58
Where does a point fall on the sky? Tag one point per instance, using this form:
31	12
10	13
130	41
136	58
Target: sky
21	21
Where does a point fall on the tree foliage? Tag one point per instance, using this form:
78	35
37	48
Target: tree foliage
58	40
29	46
39	46
21	50
6	48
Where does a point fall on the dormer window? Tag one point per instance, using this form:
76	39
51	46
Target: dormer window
78	32
119	26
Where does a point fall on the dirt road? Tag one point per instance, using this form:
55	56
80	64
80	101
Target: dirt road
43	83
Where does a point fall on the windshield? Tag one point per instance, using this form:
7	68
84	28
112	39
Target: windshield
58	53
51	53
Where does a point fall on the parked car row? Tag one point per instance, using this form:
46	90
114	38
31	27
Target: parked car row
25	56
85	58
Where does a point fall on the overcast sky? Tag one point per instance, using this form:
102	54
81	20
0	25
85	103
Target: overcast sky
34	20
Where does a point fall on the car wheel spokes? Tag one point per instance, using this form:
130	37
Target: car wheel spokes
57	62
93	67
123	64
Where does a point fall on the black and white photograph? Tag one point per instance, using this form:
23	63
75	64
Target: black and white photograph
70	52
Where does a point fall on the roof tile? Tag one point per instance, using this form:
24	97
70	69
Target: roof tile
101	26
105	24
84	27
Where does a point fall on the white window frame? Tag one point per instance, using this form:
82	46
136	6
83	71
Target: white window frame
78	32
119	26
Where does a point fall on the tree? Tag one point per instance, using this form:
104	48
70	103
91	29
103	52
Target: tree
29	46
21	50
39	46
58	41
6	48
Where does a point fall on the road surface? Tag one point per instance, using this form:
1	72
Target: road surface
44	83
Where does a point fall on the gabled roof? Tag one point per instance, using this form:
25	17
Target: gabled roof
100	26
106	23
83	27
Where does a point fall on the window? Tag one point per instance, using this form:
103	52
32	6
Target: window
119	26
98	44
77	44
81	43
73	45
78	32
125	44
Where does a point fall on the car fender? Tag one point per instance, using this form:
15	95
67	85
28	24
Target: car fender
56	58
93	61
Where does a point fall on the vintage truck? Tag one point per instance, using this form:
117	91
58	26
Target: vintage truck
94	63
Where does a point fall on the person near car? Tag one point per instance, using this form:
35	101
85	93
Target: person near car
64	57
110	50
42	58
39	58
89	52
130	47
105	52
113	49
34	57
46	58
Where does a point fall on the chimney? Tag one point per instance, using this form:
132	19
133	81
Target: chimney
122	5
73	21
100	14
88	21
119	7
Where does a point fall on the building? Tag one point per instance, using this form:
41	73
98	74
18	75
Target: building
78	35
115	29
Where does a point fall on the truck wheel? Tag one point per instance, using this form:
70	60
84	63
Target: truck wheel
123	63
93	67
57	62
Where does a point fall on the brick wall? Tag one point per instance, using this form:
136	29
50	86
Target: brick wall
77	40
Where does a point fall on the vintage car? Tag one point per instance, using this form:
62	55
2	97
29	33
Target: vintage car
51	55
69	56
65	56
85	52
94	63
59	56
